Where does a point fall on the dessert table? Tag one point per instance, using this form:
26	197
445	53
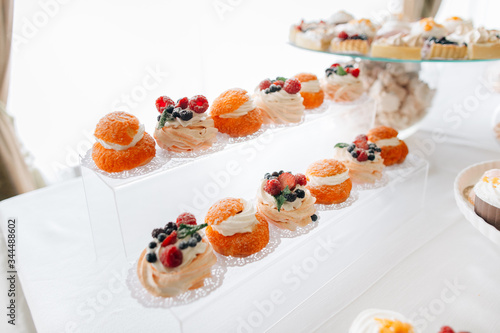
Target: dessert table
435	268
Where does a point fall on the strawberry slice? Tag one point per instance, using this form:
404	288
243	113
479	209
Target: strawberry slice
287	179
171	239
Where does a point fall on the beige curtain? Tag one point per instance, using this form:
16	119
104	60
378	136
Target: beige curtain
15	177
416	9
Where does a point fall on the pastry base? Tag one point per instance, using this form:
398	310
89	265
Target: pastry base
302	40
439	51
484	51
396	52
350	46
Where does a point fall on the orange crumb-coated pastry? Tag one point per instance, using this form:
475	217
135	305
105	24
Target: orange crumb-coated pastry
328	181
235	228
117	127
394	151
234	113
310	90
111	160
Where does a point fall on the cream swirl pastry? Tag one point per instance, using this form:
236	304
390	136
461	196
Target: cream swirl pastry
184	126
281	101
363	159
285	202
377	321
342	83
177	260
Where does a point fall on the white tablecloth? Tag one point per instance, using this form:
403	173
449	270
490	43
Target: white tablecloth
444	268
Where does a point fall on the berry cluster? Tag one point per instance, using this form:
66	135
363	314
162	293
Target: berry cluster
360	149
343	35
448	329
184	109
167	238
291	86
441	40
339	70
282	186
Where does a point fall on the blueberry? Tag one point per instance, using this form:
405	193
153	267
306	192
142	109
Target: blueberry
192	242
278	88
371	151
183	245
152	245
351	66
186	115
300	193
354	154
197	236
378	149
275	174
168	231
267	175
272	88
372	145
371	157
156	232
267	91
171	225
176	113
314	217
351	147
151	257
281	171
363	37
290	197
158	118
170	109
161	237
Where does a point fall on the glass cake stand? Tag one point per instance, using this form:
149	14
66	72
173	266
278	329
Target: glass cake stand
400	103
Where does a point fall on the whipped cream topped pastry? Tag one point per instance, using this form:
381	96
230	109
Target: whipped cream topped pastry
427	28
486	194
280	100
184	126
361	27
313	36
122	143
340	17
234	112
342	83
310	90
177	260
235	228
437	45
363	159
381	321
393	27
329	182
483	43
353	37
398	46
284	200
394	151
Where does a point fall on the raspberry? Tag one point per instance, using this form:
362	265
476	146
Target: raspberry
182	103
446	329
279	83
273	187
171	239
335	65
287	179
343	35
198	103
186	218
355	72
162	102
292	86
263	85
361	141
361	137
300	179
171	257
362	155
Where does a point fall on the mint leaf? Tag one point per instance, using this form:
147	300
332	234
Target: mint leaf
341	71
165	116
281	78
341	145
280	199
185	230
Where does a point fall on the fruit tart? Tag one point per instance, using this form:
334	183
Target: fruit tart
310	90
353	37
363	159
184	126
437	45
178	258
122	144
284	200
394	151
235	228
342	83
328	181
234	112
280	100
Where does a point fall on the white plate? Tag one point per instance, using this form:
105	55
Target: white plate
467	177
